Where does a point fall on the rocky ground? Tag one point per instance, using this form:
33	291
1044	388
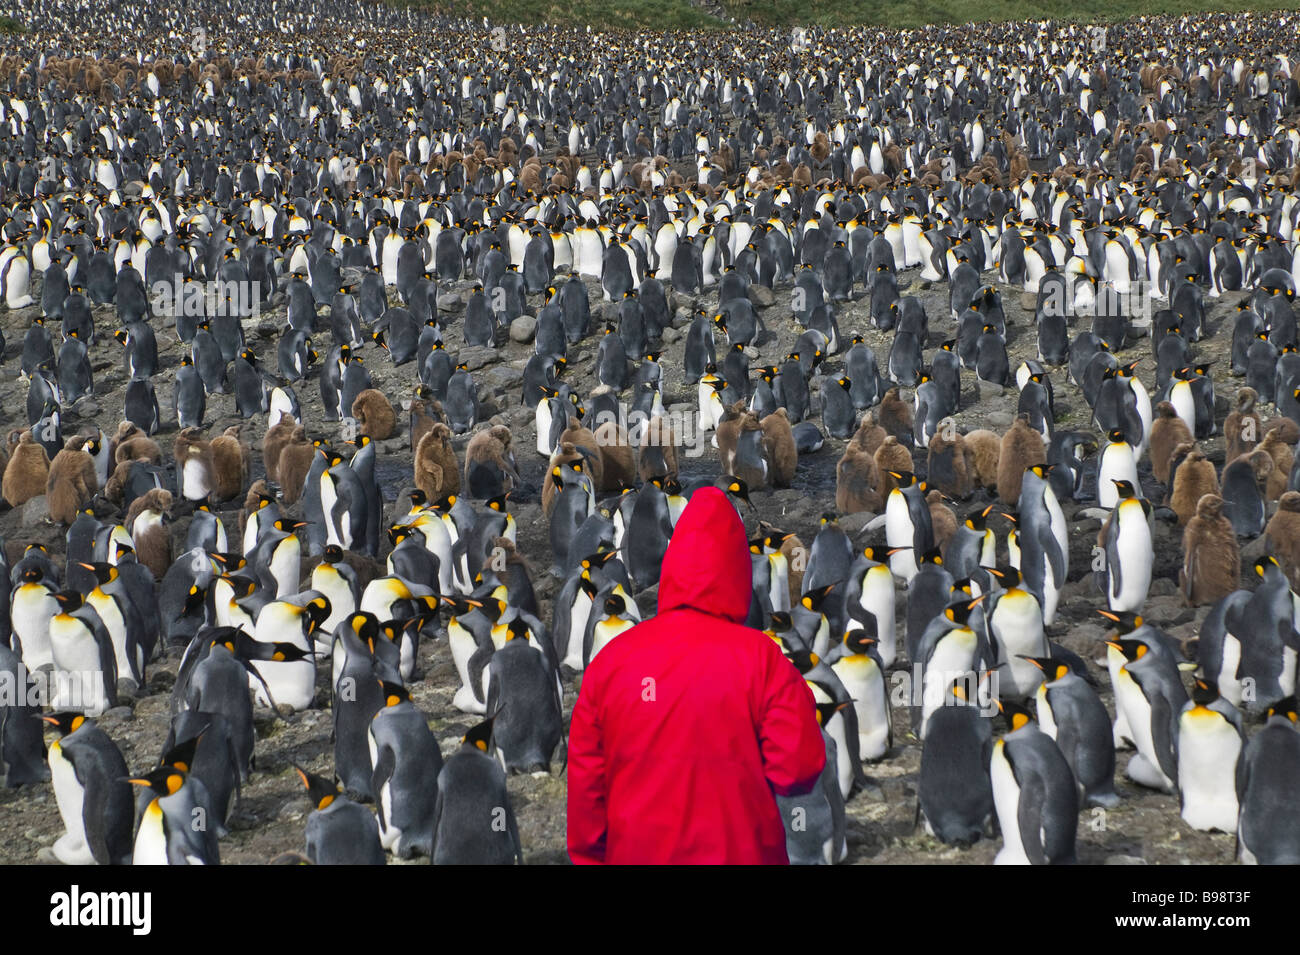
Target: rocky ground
271	814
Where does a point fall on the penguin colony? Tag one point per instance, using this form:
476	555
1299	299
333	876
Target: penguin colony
421	347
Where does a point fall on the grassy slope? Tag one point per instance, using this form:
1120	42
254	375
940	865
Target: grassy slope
681	14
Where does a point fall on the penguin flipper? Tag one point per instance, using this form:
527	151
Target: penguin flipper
1114	569
478	662
385	766
1029	813
1162	735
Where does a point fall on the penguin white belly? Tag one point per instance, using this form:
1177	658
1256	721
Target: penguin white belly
151	839
292	683
878	600
285	566
114	623
1017	625
843	755
1144	766
1180	396
1229	684
339	595
1051	590
71	847
953	657
1135	560
866	685
604	633
1006	801
778	592
328	498
899	533
1046	719
79	683
542	419
31	625
462	648
194	480
1208	750
578	617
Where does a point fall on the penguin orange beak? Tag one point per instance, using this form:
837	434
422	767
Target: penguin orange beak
1108	615
85	565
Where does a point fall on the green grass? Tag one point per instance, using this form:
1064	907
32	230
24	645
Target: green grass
682	15
10	25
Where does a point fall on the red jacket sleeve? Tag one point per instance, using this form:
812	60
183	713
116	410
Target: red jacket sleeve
587	819
790	738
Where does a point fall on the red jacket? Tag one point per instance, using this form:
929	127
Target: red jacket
687	724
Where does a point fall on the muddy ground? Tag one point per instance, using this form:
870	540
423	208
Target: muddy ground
271	815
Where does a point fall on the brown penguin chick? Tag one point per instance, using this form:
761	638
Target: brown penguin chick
131	444
1243	428
1168	431
293	464
582	437
27	472
985	449
1194	478
657	454
423	415
71	481
779	447
948	461
869	435
1282	536
895	415
735	420
1287	430
890	456
147	523
490	464
1211	558
566	457
617	462
942	519
855	482
375	415
1283	458
229	465
277	438
1021	448
437	472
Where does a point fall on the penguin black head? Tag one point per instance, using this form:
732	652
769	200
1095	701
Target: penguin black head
1133	650
1008	577
825	711
333	554
395	693
803	659
737	488
164	780
1264	563
69	600
480	736
1286	707
364	625
1125	622
1125	489
1115	436
862	637
1204	691
959	612
181	755
1016	715
104	572
460	605
1053	668
320	790
932	556
32	575
65	723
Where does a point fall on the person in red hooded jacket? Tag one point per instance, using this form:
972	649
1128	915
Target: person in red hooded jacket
688	725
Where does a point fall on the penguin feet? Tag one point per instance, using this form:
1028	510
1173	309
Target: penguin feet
1143	773
71	850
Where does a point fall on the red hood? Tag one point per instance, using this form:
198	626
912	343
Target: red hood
707	566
